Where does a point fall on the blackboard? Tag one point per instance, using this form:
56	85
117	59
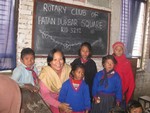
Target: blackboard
66	26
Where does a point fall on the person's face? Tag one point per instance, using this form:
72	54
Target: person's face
118	51
78	74
84	52
28	60
109	65
57	63
136	110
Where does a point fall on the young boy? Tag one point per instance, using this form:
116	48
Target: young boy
26	73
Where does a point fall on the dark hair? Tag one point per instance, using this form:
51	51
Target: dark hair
117	110
133	104
74	67
51	55
108	57
27	51
88	45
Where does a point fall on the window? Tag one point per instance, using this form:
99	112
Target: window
138	42
132	27
7	41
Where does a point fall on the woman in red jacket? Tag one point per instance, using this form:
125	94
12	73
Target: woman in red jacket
123	67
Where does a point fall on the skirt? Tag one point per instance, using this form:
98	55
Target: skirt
107	102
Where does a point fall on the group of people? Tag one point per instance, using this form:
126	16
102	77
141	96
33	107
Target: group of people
78	87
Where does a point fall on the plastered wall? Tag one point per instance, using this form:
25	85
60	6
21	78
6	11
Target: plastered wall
24	35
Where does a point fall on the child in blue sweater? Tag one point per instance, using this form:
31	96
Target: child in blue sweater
75	91
107	89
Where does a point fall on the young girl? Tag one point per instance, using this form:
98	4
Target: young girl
107	91
85	53
124	69
75	91
134	107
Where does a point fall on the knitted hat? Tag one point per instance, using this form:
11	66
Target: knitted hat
118	44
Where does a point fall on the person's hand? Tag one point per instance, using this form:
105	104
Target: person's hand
118	104
123	97
97	100
87	111
31	88
63	107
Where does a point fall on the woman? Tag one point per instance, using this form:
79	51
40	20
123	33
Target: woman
10	97
107	89
51	79
124	69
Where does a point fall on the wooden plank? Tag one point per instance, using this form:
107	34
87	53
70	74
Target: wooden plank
134	65
33	103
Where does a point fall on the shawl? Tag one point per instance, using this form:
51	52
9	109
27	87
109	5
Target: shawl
10	96
51	79
105	77
123	67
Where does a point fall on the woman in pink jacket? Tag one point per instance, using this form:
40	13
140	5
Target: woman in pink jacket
51	79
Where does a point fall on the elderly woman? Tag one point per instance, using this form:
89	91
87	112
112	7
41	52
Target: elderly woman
51	79
10	96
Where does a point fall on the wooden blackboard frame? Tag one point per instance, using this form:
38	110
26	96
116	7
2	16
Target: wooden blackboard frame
74	6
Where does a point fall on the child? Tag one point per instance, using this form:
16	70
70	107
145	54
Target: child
124	69
117	110
107	91
26	73
75	91
85	53
134	107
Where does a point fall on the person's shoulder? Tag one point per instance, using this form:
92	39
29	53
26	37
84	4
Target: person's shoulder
92	61
45	68
116	74
128	61
19	68
84	84
66	82
77	60
100	73
67	66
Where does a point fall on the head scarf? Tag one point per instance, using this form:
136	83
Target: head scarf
118	44
10	96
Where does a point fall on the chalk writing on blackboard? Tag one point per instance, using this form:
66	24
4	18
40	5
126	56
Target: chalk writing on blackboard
58	25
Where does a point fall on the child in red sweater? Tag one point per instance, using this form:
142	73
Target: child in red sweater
123	67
